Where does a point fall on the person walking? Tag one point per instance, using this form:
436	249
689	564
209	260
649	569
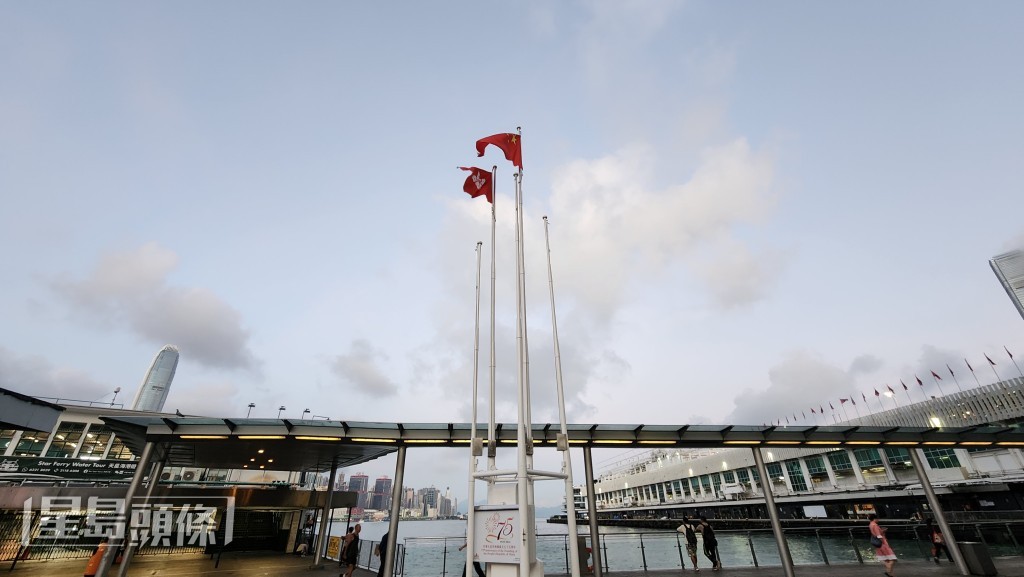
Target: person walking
691	540
381	550
476	565
97	557
710	543
350	551
883	552
938	541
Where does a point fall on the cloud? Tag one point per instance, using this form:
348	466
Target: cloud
215	399
865	364
130	290
800	381
360	367
37	377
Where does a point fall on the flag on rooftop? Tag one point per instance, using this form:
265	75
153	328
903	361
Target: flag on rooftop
830	406
936	375
509	143
478	183
1008	352
919	381
904	385
990	361
951	373
843	402
876	392
969	366
864	397
890	388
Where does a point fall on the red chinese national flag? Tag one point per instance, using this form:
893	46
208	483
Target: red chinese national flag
904	385
843	401
919	381
877	393
936	376
990	361
478	183
509	143
890	389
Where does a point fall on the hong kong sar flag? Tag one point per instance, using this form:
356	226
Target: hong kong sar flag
478	183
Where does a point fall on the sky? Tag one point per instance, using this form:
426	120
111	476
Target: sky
755	208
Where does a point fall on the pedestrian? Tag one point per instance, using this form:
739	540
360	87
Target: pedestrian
883	552
691	540
710	543
938	541
350	550
381	550
96	558
476	566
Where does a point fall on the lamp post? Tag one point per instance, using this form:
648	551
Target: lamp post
279	410
304	414
116	391
251	407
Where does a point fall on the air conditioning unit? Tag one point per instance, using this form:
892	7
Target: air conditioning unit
165	476
191	474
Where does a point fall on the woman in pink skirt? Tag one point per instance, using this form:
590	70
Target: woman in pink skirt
884	552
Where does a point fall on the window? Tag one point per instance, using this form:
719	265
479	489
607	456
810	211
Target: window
743	475
796	475
867	457
695	485
729	477
31	444
941	458
774	470
899	458
6	436
95	442
840	461
705	481
119	450
815	465
65	440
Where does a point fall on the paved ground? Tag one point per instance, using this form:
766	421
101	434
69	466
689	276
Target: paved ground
278	565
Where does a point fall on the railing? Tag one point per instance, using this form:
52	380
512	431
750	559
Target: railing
439	556
367	560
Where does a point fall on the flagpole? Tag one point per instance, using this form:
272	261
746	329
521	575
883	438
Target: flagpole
563	443
522	480
992	366
855	407
1013	361
937	384
952	374
892	394
470	522
907	391
843	406
920	383
973	374
492	442
528	410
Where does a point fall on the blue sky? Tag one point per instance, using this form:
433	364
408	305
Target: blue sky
754	206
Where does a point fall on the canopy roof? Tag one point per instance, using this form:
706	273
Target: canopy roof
313	445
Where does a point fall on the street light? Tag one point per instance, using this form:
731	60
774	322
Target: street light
279	409
116	391
304	414
251	407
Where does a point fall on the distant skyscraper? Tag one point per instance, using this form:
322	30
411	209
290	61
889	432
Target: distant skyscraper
154	388
1009	269
381	500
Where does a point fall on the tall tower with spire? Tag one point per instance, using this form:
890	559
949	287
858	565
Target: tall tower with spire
153	391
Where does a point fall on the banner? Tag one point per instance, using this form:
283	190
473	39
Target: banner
67	468
498	536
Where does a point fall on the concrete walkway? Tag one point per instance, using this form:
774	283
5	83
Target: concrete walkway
280	565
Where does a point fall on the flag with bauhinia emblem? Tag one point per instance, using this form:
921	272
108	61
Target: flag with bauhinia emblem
478	183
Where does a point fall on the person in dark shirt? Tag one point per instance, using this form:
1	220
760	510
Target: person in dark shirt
710	543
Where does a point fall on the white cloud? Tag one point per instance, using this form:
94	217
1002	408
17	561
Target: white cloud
130	290
361	368
37	377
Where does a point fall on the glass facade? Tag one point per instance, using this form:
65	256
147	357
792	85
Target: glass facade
65	440
941	458
796	475
31	444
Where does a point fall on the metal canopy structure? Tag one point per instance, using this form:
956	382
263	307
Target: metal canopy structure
25	413
291	444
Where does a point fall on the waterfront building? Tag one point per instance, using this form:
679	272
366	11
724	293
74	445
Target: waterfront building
1009	269
381	498
835	482
152	393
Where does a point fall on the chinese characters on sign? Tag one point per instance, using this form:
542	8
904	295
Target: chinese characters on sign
156	522
498	536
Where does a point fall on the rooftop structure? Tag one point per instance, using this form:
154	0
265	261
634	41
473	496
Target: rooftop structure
1009	269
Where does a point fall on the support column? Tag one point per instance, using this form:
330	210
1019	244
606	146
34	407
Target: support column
773	514
856	466
325	520
828	469
396	511
129	551
889	473
940	516
595	531
806	473
115	543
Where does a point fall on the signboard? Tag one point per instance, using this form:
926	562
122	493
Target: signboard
334	547
67	468
498	536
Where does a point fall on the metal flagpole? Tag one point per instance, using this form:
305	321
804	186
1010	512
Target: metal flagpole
474	448
1013	361
492	443
952	374
563	441
522	480
973	374
992	365
907	391
936	379
526	336
855	407
842	405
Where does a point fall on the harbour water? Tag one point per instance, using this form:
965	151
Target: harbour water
430	548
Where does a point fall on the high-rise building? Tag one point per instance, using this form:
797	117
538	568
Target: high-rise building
358	484
1009	269
153	391
381	499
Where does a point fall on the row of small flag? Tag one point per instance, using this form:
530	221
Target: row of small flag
821	408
